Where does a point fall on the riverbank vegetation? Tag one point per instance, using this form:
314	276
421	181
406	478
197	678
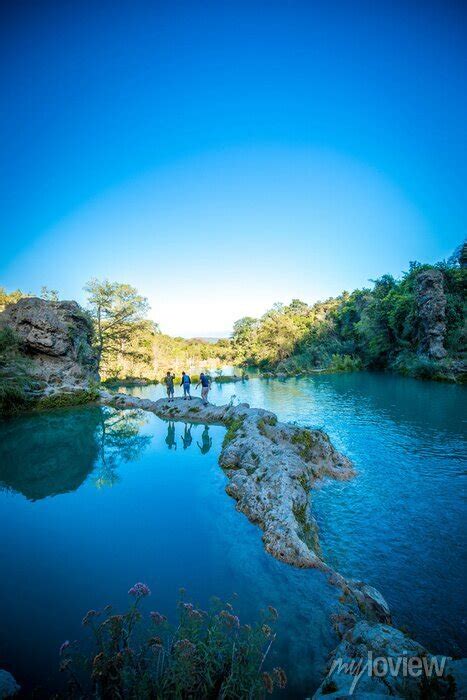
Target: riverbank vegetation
15	379
380	328
206	654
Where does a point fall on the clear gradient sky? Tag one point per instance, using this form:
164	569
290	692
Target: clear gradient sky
222	156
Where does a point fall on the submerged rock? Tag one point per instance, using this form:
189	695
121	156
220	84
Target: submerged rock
56	336
8	686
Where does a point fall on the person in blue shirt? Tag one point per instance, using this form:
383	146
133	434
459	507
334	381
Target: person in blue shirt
186	384
205	382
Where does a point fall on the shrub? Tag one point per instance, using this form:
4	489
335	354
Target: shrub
74	398
206	654
15	379
233	426
345	363
419	366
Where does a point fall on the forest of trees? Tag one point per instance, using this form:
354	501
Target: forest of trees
373	328
127	343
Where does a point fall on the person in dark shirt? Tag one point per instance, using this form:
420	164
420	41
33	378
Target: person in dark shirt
205	382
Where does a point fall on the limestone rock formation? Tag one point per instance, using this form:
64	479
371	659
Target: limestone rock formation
56	336
431	308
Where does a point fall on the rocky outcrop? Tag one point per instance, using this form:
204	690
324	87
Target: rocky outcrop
431	310
377	660
56	336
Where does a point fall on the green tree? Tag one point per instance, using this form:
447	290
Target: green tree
118	312
49	294
9	297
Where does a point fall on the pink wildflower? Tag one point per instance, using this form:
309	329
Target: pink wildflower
139	590
89	616
229	620
157	618
64	646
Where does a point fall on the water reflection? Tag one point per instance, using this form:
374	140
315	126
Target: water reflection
46	454
206	441
187	438
170	439
120	440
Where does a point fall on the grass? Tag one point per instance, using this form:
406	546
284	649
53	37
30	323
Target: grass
263	422
75	398
233	427
308	531
306	443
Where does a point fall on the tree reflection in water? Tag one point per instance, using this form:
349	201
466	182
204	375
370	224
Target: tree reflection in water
46	454
119	439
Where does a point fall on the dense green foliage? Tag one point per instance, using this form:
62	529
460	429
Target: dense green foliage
206	655
73	398
15	379
376	328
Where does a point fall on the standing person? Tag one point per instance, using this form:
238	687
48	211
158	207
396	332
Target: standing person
169	383
205	382
186	383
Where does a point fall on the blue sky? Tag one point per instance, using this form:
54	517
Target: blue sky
224	156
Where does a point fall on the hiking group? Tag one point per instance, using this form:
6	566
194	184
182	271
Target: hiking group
204	381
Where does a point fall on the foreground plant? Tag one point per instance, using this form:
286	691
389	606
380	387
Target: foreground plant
207	654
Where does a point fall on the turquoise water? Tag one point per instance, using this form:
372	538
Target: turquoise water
93	500
400	525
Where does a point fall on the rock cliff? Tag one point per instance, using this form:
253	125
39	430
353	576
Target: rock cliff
56	336
431	309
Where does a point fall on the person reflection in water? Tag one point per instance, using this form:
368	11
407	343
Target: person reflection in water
186	438
170	439
206	441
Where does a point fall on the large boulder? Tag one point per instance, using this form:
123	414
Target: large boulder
431	310
56	336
